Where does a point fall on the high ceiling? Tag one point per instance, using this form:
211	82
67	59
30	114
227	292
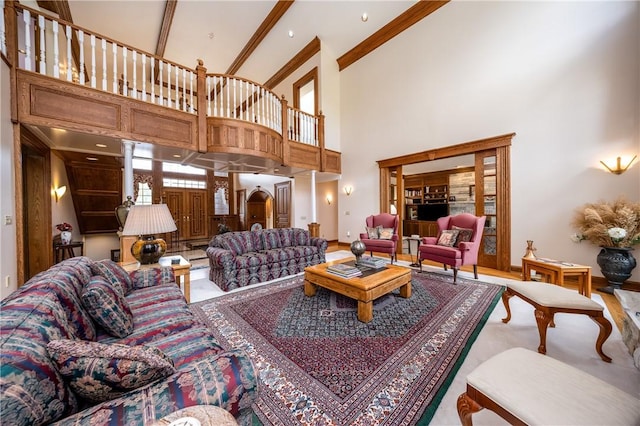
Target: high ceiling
250	39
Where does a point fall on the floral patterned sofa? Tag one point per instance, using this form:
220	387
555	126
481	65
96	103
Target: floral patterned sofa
238	259
86	343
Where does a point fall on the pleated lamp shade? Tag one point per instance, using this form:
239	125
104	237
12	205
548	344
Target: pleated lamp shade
147	221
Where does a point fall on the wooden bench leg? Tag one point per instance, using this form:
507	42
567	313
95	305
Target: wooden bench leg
543	318
506	295
466	407
605	332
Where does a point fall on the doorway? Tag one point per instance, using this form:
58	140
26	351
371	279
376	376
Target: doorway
259	209
282	201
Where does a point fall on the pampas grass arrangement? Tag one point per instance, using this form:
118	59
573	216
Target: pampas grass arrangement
605	224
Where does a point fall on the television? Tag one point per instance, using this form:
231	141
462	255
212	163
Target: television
432	211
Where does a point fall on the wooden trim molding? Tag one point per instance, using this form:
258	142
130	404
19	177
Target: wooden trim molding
449	151
307	78
294	63
414	14
267	25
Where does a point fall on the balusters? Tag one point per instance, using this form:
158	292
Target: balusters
228	96
184	90
191	91
93	61
81	64
115	67
125	84
3	31
144	77
134	89
104	64
153	80
43	62
168	85
235	105
176	88
56	51
208	82
215	96
160	74
69	57
27	40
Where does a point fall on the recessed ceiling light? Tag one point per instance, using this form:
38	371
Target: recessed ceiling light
101	145
364	17
276	170
92	159
290	33
177	155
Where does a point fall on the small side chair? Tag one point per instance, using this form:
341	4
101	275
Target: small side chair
457	243
379	237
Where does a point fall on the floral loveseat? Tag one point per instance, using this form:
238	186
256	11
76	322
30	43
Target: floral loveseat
60	364
238	259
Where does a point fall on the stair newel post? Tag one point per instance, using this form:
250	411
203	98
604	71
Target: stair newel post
286	155
203	91
11	34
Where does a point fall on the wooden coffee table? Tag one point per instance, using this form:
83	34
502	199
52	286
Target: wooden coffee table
364	289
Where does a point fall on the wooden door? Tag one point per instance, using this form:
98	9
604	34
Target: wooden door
257	209
196	207
283	204
241	208
174	199
37	243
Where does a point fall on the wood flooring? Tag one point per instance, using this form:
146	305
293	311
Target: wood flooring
610	300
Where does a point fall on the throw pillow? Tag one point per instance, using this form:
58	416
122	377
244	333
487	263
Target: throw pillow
448	238
107	307
385	233
372	233
100	372
114	274
464	235
152	277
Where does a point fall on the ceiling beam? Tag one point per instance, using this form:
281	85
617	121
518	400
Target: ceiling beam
294	63
269	22
165	27
403	21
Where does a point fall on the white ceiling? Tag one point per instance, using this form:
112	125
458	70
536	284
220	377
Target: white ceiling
137	23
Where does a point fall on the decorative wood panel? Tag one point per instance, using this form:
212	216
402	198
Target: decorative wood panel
305	156
332	162
161	127
240	137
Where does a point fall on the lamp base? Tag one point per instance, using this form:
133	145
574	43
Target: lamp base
148	249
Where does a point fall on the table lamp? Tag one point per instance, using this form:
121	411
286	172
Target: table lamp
145	221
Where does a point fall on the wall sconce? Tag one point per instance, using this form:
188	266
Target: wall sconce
618	170
59	192
348	189
329	199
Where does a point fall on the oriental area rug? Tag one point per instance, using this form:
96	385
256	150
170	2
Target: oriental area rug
319	365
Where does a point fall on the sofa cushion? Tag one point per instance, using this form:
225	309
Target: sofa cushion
99	372
114	274
270	239
107	307
152	277
301	237
286	237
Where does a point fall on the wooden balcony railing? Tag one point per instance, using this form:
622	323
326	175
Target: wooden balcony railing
61	50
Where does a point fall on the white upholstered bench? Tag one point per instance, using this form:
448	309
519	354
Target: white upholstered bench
548	299
526	388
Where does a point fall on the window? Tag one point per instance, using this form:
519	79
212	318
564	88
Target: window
183	183
179	168
305	93
144	194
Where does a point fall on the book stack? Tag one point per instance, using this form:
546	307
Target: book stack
344	271
372	262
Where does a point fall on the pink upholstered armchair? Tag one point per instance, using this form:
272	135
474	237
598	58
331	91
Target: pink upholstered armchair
382	234
454	248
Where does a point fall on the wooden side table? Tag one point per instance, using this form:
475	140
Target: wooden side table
555	271
65	251
181	269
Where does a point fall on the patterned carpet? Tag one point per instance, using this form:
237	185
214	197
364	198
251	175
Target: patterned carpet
320	365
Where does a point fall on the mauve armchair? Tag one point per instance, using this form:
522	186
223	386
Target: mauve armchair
382	245
464	253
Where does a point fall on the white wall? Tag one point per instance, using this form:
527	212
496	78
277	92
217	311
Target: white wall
564	76
8	248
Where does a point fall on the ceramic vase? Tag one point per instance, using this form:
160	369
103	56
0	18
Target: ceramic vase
616	264
65	237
